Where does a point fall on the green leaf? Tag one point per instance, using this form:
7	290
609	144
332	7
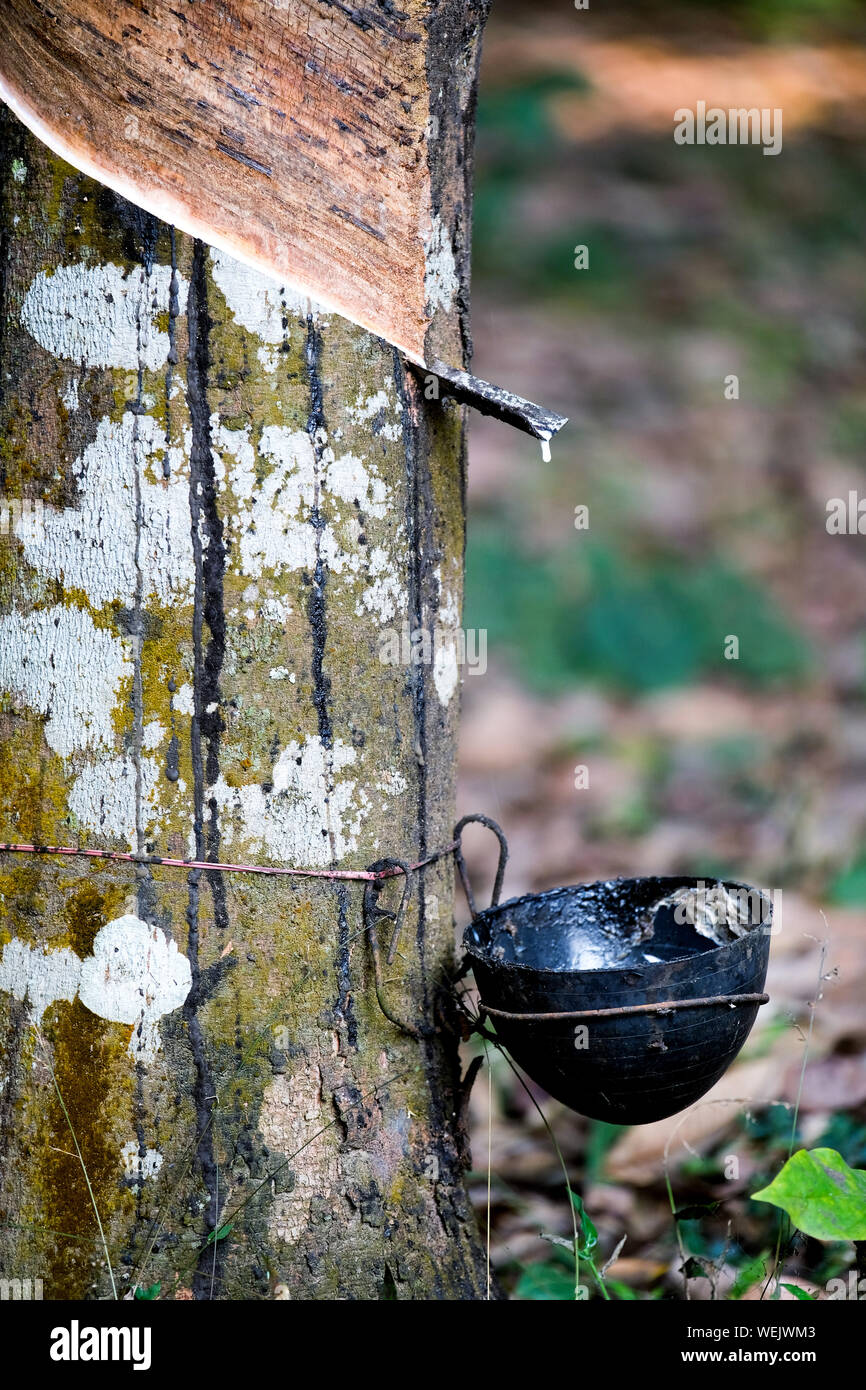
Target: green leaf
750	1274
822	1195
622	1290
220	1234
588	1234
800	1293
151	1292
547	1282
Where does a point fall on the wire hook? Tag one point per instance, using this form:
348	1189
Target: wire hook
461	863
373	914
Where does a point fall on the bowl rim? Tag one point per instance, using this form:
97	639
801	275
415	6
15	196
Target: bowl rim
681	879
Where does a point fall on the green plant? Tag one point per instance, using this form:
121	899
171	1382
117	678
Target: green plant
582	1245
152	1292
546	1283
751	1272
822	1196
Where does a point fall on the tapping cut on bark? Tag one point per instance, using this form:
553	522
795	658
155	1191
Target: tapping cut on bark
300	136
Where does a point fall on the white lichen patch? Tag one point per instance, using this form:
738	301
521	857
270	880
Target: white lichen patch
393	783
261	304
347	478
271	516
440	270
135	975
377	408
276	534
38	976
311	815
386	595
446	671
137	1165
60	664
272	512
93	546
234	459
276	488
126	540
276	609
103	315
152	734
183	700
103	797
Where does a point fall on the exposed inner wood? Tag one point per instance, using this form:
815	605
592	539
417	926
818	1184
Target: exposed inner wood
290	133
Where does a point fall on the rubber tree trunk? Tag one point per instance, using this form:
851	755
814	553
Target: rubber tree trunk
240	497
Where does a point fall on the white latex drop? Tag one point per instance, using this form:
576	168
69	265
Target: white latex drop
545	451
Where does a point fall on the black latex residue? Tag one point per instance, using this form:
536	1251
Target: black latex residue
595	926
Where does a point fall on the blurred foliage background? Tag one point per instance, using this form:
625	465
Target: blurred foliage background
707	518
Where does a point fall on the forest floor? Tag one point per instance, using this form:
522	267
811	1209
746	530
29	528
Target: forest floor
606	645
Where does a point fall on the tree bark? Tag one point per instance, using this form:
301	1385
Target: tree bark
240	496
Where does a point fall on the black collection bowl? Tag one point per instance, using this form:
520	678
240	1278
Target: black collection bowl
574	949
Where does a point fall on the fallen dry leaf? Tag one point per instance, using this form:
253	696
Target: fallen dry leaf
638	1157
